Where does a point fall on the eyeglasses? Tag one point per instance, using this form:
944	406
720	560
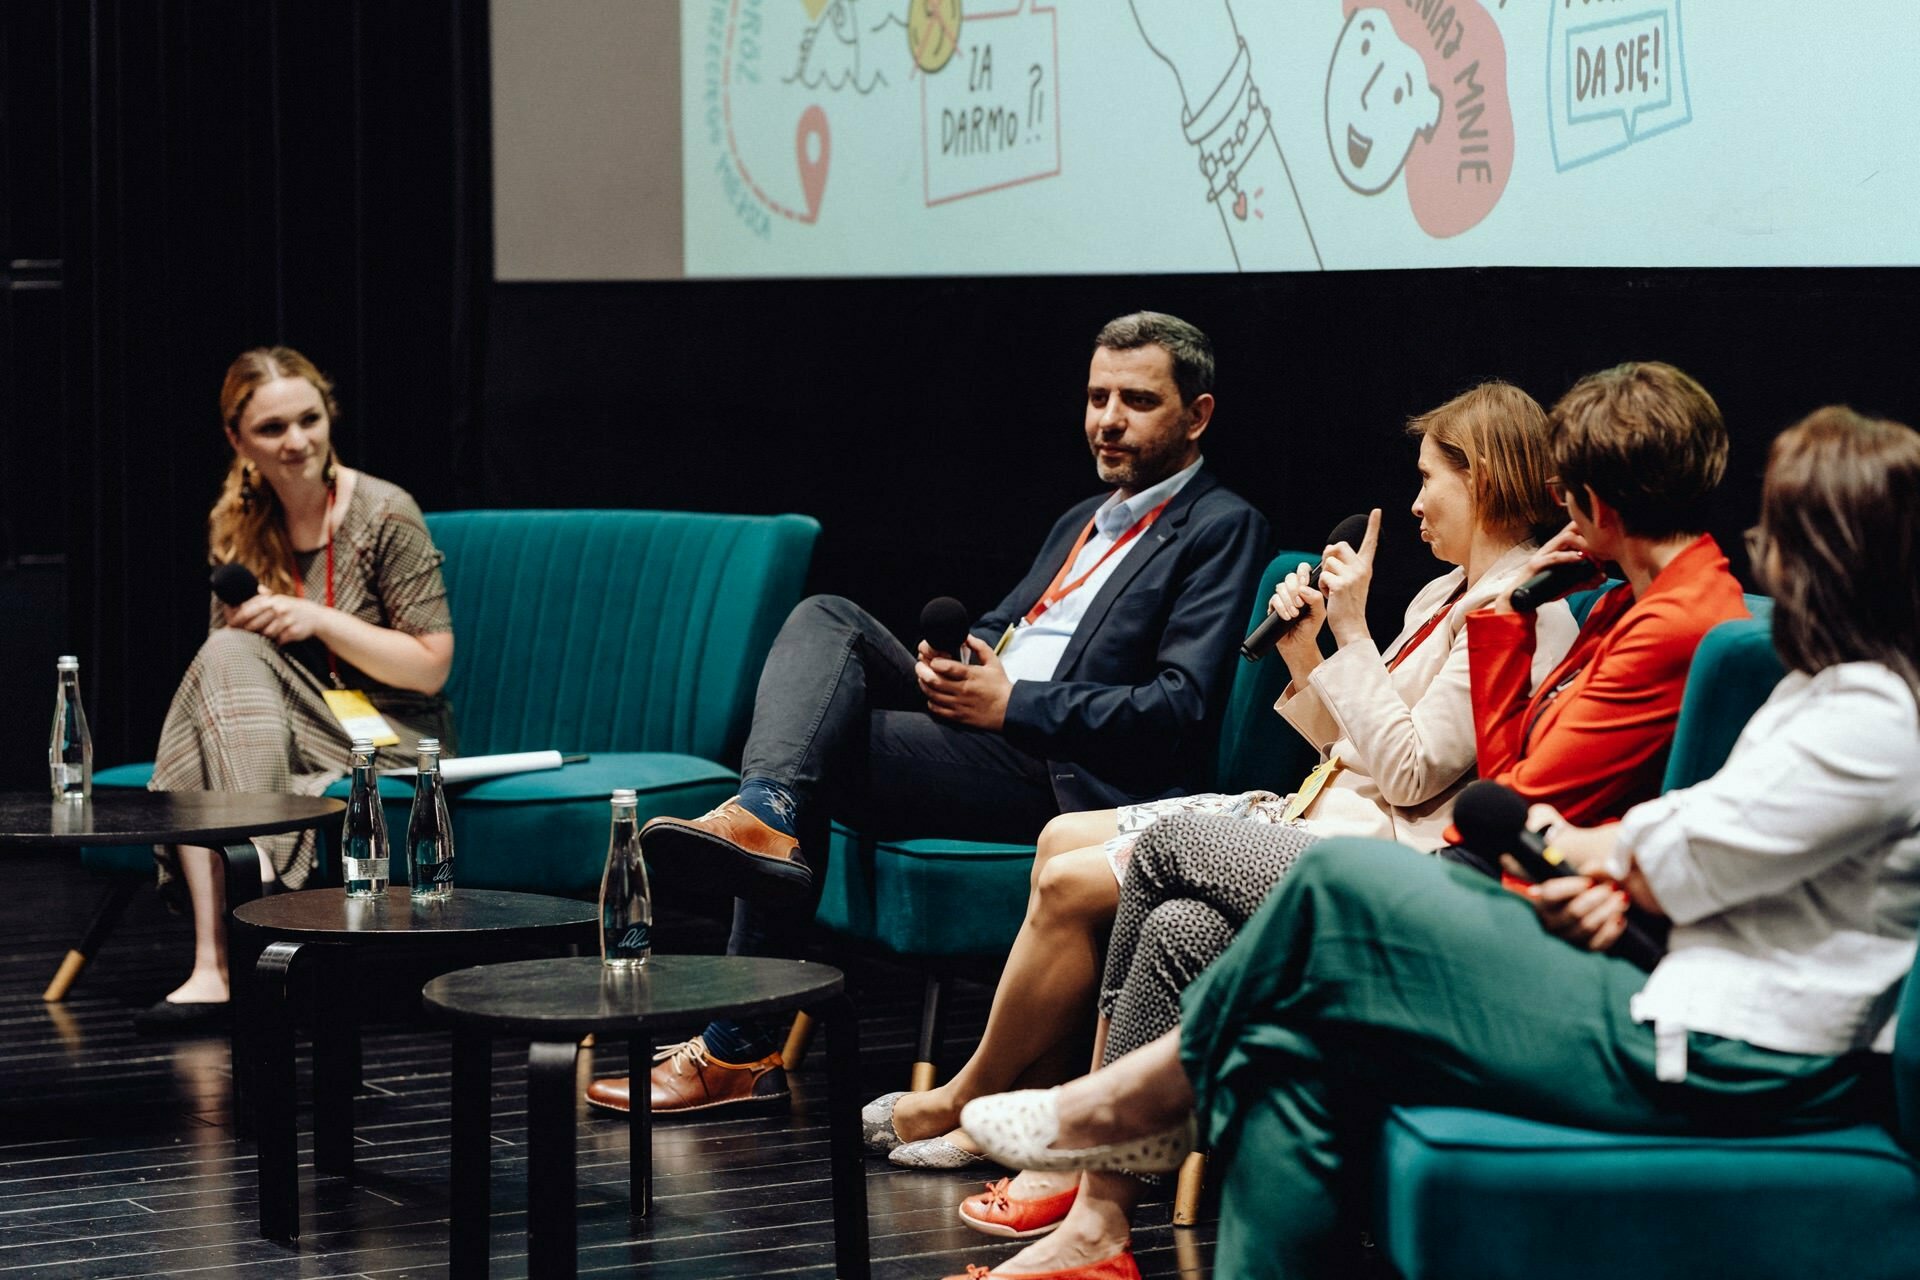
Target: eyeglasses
1558	491
1757	543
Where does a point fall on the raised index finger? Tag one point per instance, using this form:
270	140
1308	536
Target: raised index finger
1372	538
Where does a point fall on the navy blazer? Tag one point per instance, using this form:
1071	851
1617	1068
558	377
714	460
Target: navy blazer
1132	711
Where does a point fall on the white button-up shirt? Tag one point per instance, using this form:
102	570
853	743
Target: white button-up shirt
1036	648
1793	875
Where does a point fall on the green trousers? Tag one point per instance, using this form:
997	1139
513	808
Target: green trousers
1375	976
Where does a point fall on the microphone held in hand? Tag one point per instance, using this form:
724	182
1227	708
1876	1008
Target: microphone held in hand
234	584
1351	531
1553	582
943	625
1493	819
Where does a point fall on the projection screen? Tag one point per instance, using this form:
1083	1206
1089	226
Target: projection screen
717	138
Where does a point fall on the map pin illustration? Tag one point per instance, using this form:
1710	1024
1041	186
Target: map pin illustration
812	149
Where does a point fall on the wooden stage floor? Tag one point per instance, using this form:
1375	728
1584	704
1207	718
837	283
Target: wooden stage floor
118	1155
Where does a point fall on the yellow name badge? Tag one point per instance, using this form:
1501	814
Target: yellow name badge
357	716
1309	790
1006	638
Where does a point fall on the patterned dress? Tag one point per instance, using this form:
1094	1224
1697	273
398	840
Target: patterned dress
249	714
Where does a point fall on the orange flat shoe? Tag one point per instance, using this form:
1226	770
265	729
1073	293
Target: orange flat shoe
1120	1266
993	1212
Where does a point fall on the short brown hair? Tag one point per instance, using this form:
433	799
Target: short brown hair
1840	512
1190	350
1497	434
1648	440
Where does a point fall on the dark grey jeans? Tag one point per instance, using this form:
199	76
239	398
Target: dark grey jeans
840	721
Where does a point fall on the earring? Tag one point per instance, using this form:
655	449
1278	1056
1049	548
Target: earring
332	472
249	486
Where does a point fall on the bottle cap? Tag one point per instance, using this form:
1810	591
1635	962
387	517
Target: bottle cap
626	796
362	745
429	746
67	662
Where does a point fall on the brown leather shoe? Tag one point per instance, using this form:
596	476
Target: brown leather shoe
685	1078
727	850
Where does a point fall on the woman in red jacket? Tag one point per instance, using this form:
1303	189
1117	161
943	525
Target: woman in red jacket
1639	449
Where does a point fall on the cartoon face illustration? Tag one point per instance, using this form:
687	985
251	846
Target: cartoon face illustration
1378	101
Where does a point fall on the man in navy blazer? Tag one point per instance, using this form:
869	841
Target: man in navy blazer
1131	711
1097	682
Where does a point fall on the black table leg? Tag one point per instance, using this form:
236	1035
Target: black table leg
270	1080
243	958
639	1127
551	1083
471	1207
845	1150
336	1062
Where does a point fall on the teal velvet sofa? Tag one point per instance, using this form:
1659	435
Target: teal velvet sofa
1463	1194
941	902
636	637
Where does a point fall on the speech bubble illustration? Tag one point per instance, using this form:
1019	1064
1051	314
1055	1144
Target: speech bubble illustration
1613	80
991	119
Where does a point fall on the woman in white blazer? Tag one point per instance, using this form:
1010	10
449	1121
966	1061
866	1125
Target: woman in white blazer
1394	725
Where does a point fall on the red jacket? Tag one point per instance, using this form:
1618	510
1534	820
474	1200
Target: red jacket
1599	746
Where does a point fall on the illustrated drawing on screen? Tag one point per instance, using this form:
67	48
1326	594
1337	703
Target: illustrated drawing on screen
1427	96
1230	126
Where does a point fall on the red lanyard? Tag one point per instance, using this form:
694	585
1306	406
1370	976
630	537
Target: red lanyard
1427	628
1058	592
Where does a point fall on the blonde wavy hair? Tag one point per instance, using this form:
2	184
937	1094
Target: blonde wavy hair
247	525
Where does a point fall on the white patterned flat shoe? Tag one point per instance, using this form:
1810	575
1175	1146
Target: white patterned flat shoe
935	1153
876	1122
1017	1130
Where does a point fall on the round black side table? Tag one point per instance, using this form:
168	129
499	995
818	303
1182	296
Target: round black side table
315	930
115	816
554	1003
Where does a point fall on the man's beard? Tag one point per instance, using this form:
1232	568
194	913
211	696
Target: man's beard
1142	470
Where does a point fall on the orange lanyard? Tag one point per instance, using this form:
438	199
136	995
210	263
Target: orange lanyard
1060	589
1427	629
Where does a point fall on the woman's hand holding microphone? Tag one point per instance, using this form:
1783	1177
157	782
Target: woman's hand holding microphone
281	619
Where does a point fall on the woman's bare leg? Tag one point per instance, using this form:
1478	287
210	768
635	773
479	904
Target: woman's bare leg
1051	977
1098	1226
205	874
1139	1093
1072	831
1034	1184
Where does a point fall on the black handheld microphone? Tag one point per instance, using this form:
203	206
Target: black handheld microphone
943	624
1493	819
234	584
1553	582
1256	646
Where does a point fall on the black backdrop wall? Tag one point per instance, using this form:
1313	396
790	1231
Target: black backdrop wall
184	178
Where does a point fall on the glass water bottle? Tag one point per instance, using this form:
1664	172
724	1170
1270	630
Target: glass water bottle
70	751
626	903
364	847
429	830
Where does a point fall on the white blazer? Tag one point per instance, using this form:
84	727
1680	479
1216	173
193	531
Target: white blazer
1405	737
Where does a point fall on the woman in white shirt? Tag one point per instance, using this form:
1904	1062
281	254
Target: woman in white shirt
1792	878
1396	723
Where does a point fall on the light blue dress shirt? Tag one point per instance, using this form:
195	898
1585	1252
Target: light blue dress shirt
1036	647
